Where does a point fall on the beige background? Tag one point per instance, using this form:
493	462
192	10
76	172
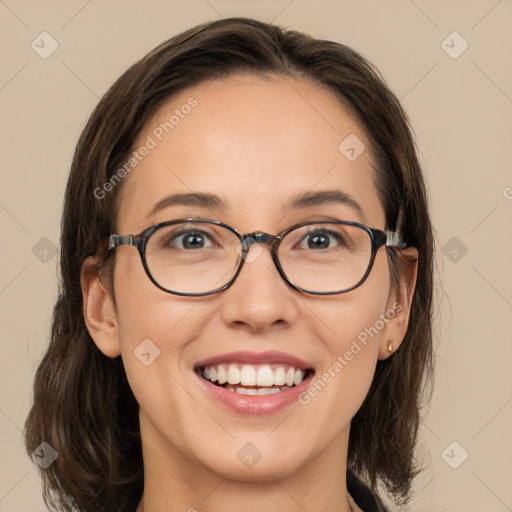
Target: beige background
461	110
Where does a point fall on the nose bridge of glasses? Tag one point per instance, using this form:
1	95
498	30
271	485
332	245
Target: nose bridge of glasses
258	237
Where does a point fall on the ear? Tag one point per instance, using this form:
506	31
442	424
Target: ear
98	309
399	304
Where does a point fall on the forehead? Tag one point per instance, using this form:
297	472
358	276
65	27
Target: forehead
254	142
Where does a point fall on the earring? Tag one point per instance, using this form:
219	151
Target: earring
390	346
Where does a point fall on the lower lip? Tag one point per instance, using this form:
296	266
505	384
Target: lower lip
254	404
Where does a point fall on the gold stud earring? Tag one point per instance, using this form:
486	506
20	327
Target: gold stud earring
390	346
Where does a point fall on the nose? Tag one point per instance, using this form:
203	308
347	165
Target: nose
259	299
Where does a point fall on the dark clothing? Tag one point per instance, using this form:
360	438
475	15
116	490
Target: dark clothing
361	494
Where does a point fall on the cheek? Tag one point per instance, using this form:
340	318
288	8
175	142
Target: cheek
154	327
357	315
353	327
153	324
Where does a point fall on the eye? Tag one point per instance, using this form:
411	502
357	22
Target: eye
191	239
321	239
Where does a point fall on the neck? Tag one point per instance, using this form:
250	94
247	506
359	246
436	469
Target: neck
173	482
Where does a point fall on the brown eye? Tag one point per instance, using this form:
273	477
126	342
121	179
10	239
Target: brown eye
321	239
190	240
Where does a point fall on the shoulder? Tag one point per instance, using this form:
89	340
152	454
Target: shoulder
365	499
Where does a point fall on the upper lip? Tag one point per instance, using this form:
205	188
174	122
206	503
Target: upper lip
246	357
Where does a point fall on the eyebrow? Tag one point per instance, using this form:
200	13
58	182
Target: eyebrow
301	200
200	199
306	199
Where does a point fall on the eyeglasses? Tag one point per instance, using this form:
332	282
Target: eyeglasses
196	257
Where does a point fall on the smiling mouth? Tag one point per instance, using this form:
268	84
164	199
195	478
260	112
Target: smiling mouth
248	379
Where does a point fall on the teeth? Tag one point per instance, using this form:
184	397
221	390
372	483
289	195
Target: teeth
248	375
254	391
299	376
279	376
264	376
268	391
222	376
233	374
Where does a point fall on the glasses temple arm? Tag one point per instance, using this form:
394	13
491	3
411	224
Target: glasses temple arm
394	239
117	240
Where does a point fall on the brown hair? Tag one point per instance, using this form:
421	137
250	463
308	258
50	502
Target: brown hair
83	406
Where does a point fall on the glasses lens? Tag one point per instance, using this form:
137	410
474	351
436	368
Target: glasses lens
325	257
192	257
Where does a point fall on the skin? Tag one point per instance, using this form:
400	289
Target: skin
255	143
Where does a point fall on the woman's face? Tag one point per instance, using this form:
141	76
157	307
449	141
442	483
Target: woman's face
255	144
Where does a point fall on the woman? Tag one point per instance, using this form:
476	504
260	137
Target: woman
244	317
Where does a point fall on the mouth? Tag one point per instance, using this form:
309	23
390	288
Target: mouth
254	379
254	383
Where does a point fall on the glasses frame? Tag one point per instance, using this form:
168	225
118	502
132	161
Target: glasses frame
377	236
